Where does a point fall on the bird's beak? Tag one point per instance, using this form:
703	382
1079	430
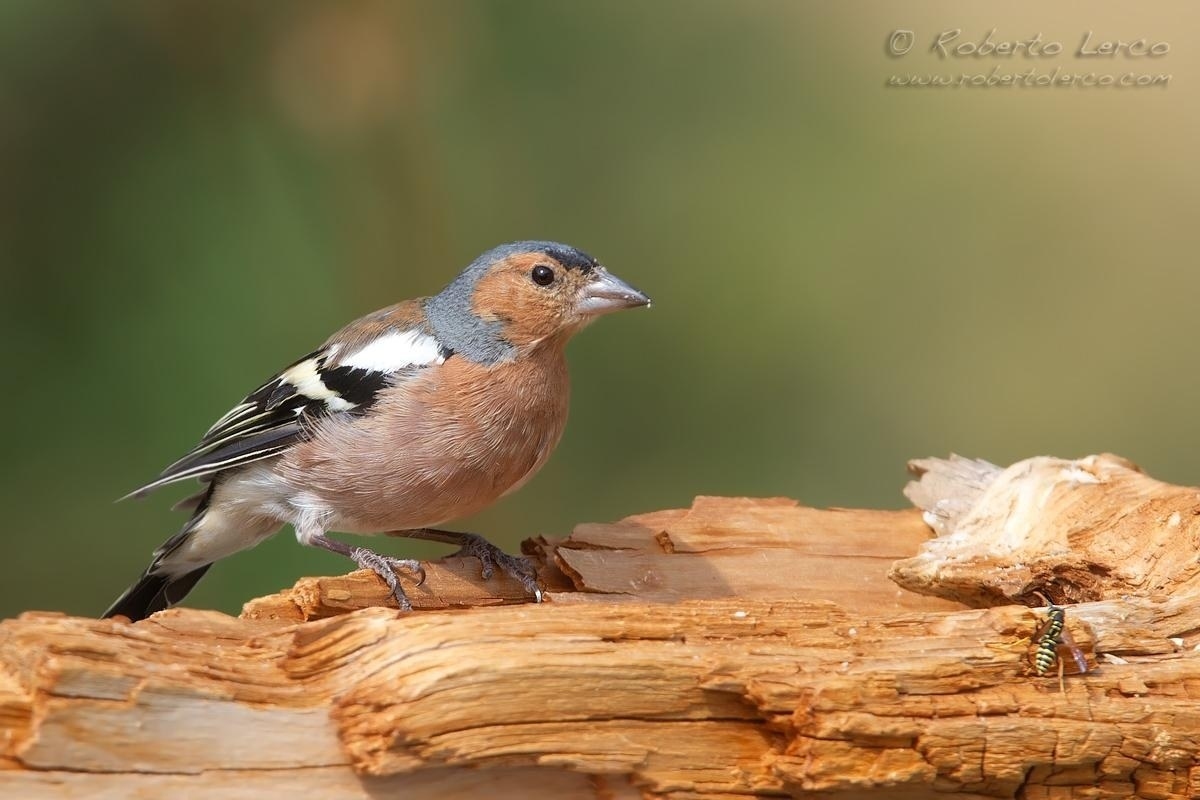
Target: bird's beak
606	293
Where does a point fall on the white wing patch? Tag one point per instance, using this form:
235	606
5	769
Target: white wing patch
307	380
395	351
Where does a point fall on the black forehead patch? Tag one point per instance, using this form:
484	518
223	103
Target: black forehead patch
571	258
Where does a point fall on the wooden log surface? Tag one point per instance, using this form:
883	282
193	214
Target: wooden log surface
740	648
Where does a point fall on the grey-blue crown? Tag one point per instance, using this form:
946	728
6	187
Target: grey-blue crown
564	254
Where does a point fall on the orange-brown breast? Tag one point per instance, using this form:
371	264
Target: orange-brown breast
441	445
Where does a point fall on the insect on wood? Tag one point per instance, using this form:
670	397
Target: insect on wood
1051	640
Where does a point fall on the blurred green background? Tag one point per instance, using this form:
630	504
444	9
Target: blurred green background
845	275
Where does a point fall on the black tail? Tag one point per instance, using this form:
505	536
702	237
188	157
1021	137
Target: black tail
156	590
154	593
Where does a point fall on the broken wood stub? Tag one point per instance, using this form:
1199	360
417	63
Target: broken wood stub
721	547
1094	528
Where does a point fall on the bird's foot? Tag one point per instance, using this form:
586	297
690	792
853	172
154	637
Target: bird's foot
490	557
385	567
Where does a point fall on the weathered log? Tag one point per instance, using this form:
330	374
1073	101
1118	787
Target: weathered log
739	648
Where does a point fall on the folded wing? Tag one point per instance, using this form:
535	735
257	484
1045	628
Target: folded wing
337	379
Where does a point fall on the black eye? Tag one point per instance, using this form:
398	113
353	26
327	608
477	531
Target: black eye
542	275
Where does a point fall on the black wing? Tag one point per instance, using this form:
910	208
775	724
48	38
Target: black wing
275	415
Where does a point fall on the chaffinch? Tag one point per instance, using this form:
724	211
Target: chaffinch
417	414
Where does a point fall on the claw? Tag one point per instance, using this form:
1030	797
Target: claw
491	557
385	567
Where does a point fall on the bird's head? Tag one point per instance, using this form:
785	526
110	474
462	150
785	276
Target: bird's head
520	295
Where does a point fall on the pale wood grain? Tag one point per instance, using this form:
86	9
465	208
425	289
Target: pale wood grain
1084	529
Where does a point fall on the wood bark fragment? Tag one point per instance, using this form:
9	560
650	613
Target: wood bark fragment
737	649
1086	529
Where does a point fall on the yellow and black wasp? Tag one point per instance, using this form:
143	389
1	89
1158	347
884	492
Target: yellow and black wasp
1051	639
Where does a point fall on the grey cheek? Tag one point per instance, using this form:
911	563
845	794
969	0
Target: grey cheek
459	329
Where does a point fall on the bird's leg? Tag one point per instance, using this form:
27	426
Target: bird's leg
383	566
490	556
